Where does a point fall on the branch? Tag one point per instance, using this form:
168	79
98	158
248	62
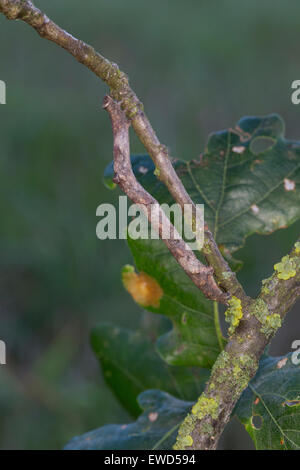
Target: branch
201	275
238	364
121	92
260	318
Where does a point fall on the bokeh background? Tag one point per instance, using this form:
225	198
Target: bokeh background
198	66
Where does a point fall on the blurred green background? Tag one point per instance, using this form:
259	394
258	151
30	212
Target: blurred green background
198	66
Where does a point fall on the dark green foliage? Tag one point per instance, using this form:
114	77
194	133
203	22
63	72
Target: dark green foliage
156	428
131	365
270	407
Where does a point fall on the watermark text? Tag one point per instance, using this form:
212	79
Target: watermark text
296	354
139	221
2	353
2	92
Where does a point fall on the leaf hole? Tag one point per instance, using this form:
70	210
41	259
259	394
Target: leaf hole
291	403
256	422
261	144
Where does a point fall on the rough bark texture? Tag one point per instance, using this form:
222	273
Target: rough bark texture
258	319
254	322
121	92
201	275
238	364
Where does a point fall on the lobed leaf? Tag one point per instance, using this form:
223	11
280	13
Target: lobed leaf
248	179
131	365
270	407
155	429
192	341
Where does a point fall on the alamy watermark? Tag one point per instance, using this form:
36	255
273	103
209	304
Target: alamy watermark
295	96
2	353
134	222
296	354
2	92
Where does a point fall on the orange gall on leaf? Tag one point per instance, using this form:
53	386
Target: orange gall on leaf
144	289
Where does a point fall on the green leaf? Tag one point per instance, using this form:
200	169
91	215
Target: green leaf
192	340
141	164
131	365
155	429
270	407
248	180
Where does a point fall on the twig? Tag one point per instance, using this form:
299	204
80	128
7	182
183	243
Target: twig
201	275
261	317
121	91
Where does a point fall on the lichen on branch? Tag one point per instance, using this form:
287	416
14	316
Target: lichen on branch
252	322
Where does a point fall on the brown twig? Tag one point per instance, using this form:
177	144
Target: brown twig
201	275
238	363
121	91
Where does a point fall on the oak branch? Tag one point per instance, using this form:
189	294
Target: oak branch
258	319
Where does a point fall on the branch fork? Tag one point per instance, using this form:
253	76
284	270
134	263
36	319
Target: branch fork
201	275
238	363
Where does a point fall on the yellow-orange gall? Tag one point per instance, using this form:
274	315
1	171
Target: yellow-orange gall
144	289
